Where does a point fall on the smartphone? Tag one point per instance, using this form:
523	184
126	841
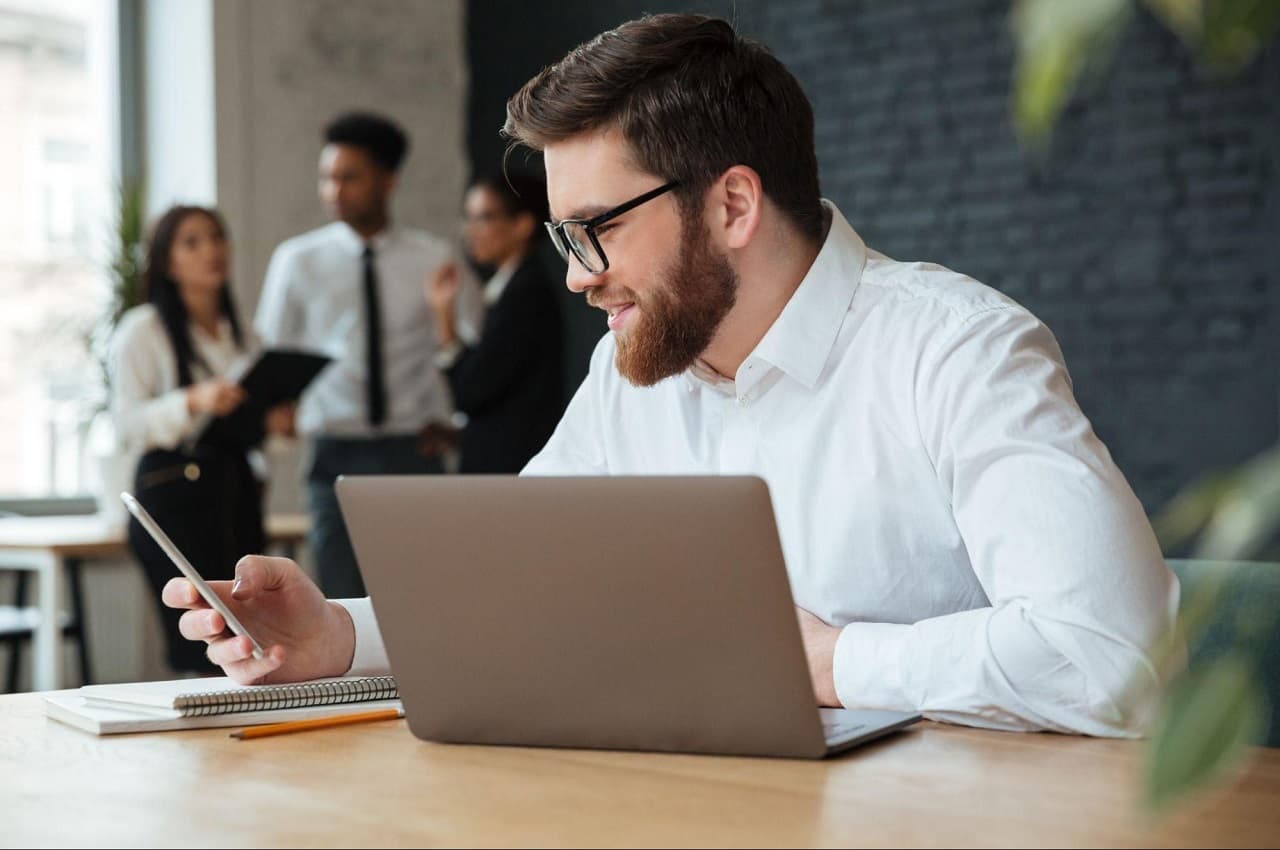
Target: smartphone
189	572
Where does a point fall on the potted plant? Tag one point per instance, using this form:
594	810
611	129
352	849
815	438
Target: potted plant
111	466
1212	710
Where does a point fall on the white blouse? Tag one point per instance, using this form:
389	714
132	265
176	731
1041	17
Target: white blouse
148	407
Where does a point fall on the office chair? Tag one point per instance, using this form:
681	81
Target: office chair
1250	595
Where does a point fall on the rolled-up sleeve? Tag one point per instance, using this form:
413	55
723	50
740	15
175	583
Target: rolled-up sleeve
1079	593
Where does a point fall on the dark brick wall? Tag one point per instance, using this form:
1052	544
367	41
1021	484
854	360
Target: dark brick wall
1146	238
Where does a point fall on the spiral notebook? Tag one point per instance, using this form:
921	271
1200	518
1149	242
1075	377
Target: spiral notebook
200	703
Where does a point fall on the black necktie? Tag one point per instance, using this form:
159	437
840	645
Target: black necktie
377	391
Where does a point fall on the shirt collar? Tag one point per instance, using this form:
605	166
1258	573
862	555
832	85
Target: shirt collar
497	284
800	340
224	332
354	242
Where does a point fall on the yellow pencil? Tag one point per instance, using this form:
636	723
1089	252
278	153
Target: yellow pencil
316	723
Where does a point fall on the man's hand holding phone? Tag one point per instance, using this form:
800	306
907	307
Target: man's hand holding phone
305	635
272	624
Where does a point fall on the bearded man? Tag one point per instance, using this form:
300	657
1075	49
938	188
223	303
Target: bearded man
959	542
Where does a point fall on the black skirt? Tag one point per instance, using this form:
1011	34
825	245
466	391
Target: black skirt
210	504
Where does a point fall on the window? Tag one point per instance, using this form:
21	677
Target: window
58	96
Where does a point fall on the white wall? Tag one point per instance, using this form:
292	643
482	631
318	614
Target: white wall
284	68
238	92
178	103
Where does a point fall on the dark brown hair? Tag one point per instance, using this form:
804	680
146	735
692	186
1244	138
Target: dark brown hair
692	98
161	289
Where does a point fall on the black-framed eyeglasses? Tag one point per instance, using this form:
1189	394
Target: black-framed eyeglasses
578	236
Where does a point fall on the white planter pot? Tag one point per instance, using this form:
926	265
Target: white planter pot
114	474
110	469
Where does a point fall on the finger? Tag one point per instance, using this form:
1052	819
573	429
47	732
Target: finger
258	574
235	657
207	625
237	651
229	650
179	593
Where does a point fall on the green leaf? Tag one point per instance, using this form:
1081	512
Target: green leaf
1227	34
1235	31
1059	44
126	246
1192	508
1185	17
1247	514
1211	714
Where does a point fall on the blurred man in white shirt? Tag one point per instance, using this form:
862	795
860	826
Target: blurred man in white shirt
353	290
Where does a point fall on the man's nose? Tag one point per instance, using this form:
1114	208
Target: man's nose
578	279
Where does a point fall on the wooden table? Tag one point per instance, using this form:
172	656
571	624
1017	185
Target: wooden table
376	785
48	545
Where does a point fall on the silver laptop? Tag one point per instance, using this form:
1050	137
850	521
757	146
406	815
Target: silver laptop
637	613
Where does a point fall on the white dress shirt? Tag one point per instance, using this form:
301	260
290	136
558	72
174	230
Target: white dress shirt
148	407
313	298
938	492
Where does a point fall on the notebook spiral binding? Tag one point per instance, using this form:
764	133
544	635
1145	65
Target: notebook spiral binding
297	695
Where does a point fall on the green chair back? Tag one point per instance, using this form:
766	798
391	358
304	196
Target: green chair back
1247	615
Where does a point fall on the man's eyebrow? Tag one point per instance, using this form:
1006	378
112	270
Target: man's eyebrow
584	213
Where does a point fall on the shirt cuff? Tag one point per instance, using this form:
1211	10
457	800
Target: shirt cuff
448	355
870	667
174	421
370	658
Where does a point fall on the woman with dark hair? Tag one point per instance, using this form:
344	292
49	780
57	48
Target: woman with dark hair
507	383
169	362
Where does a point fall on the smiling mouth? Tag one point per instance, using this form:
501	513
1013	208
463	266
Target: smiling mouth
617	313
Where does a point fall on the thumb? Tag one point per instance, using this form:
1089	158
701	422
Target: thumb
257	574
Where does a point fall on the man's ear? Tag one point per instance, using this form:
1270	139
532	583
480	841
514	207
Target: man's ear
389	179
737	204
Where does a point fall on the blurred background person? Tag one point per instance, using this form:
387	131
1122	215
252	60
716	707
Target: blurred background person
169	360
352	290
507	384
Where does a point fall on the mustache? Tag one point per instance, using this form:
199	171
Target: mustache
595	297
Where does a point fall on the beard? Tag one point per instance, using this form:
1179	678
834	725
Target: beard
678	318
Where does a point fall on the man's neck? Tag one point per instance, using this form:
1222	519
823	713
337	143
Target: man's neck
370	227
768	275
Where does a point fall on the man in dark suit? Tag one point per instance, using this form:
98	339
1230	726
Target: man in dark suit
508	382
